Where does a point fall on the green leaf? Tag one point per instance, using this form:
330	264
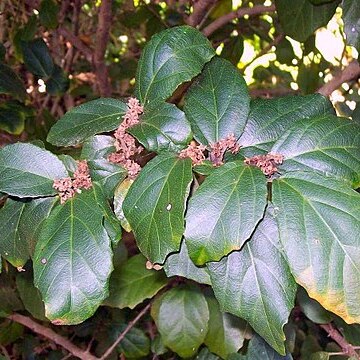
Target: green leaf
83	121
9	299
285	52
269	118
33	216
29	171
218	103
30	295
233	50
205	354
350	332
119	197
58	82
13	247
351	17
10	332
312	309
162	127
11	84
135	343
258	349
96	150
226	332
48	13
180	264
12	119
155	205
170	58
320	355
300	18
222	215
110	223
181	316
37	58
327	144
133	283
256	284
73	258
157	346
319	224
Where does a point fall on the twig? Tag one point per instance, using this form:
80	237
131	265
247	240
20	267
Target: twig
53	336
351	72
222	20
127	329
5	352
102	38
347	348
75	41
200	10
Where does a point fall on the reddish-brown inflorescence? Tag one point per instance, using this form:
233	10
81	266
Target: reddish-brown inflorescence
267	163
194	152
68	187
125	144
218	149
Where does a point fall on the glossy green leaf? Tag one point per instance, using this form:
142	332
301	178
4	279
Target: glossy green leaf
258	349
58	82
13	247
223	212
96	150
170	58
37	58
132	283
218	103
327	144
351	17
180	264
83	121
319	219
33	216
181	317
30	295
312	309
256	284
162	127
269	118
48	13
155	205
73	258
226	332
300	18
119	197
29	171
320	355
110	223
10	83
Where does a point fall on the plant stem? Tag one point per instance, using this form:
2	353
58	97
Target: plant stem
127	329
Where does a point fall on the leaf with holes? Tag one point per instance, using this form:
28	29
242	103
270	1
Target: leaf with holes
29	171
327	144
259	290
81	122
181	316
155	205
218	103
170	58
269	118
319	220
73	258
223	212
163	127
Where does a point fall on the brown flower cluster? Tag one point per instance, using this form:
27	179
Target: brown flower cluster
218	149
124	143
194	152
68	187
267	163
